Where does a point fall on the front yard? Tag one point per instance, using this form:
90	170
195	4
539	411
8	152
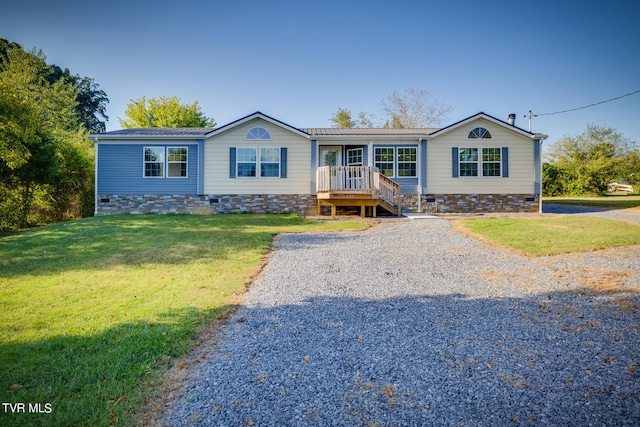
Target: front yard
93	311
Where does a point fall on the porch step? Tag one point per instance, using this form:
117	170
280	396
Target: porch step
388	207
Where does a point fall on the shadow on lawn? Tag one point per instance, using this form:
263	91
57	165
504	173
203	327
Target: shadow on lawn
553	358
93	380
561	359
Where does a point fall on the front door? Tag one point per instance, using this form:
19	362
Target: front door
331	156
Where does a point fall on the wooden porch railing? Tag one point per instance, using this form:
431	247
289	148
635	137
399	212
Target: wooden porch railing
358	179
388	190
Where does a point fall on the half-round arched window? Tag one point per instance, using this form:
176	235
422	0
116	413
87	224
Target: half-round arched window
481	133
258	133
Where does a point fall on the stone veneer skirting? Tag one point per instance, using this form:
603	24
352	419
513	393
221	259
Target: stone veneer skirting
305	204
471	203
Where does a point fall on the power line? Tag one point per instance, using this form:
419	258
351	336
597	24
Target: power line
586	106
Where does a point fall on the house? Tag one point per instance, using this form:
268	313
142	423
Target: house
260	164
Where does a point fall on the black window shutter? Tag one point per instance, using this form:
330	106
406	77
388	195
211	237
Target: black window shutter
232	162
505	162
454	162
283	162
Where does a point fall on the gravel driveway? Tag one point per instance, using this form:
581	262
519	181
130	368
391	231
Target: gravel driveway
410	323
621	214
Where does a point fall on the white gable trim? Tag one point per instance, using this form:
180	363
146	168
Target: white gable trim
257	115
489	118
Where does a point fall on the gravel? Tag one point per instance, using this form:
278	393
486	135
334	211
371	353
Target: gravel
410	323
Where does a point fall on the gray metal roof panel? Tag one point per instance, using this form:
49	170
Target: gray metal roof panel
367	131
165	132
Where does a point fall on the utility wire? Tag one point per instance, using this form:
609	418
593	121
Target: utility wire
587	106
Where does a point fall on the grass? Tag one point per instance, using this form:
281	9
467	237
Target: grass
615	202
557	235
92	311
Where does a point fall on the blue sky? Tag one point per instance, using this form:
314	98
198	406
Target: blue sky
299	61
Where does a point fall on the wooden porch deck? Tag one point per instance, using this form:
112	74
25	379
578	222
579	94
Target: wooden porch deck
357	186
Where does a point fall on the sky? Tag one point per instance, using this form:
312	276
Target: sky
299	61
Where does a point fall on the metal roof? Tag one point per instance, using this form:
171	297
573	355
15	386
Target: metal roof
417	132
165	132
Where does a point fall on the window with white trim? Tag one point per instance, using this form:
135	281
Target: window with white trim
384	160
407	162
468	161
479	133
246	162
177	162
472	160
153	162
258	133
354	157
269	162
491	161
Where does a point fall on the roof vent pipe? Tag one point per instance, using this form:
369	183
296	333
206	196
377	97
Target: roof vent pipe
512	119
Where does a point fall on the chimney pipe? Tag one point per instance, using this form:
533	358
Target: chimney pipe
512	119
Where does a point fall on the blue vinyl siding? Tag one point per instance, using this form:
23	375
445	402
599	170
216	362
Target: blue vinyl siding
120	171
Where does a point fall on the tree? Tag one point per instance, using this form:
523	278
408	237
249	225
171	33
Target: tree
164	112
414	109
588	162
343	119
91	101
45	154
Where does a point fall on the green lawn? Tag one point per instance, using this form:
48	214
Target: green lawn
556	235
92	311
617	202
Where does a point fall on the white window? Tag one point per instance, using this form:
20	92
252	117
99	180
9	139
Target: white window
354	157
400	162
384	160
261	162
246	162
270	162
407	162
177	162
153	162
471	162
491	161
173	165
468	158
479	133
258	133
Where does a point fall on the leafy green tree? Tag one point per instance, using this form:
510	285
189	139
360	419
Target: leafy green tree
343	119
91	101
552	180
588	162
45	151
164	112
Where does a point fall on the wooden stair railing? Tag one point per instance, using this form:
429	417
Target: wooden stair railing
341	180
388	192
